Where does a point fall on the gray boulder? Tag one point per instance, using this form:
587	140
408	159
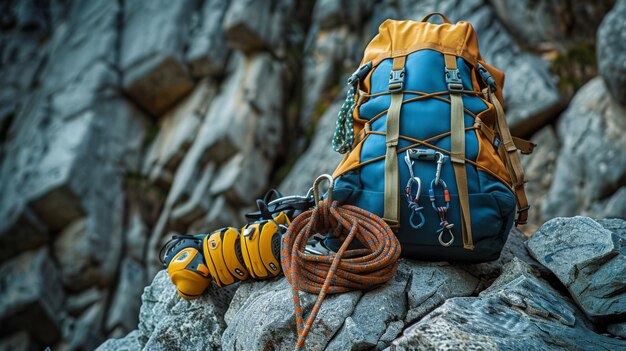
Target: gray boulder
261	317
86	330
353	321
539	171
78	303
229	157
167	322
611	51
617	329
31	296
590	167
545	23
126	301
177	130
319	158
515	247
18	341
589	258
131	342
521	312
73	252
208	51
254	25
154	74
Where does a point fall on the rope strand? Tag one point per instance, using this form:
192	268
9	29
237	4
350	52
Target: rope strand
348	269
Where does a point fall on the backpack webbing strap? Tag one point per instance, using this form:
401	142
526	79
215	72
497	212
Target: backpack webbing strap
391	214
508	153
457	150
526	147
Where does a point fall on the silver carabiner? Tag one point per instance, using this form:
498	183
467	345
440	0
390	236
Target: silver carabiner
409	186
409	163
446	243
413	202
316	190
440	158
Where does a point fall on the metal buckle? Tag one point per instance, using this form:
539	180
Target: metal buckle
422	154
396	80
453	80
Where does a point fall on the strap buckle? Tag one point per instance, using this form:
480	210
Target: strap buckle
360	73
487	78
453	80
517	219
396	80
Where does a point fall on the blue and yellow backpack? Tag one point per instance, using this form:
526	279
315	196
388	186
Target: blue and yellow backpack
427	144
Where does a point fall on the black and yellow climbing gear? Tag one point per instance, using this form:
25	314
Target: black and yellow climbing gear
223	255
230	255
260	246
184	260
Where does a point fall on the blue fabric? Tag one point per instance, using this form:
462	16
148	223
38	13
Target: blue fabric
492	204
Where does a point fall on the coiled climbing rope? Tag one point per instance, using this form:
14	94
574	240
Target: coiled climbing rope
348	269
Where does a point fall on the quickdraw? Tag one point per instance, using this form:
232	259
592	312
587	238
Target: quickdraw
413	200
442	211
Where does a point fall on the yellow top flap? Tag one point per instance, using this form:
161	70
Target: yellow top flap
400	38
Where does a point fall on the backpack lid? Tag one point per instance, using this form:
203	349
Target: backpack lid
400	38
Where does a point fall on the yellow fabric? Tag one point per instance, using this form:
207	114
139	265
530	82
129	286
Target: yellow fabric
256	247
190	281
488	157
350	161
400	38
221	257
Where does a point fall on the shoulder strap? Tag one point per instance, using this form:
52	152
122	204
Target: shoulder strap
508	153
457	150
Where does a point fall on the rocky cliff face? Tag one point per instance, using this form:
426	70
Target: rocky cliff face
574	302
122	122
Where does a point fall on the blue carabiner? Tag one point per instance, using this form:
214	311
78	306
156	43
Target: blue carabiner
431	193
414	202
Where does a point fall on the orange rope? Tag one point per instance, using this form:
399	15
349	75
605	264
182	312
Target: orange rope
356	269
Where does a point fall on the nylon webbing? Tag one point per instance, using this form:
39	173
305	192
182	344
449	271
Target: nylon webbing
391	213
508	153
457	156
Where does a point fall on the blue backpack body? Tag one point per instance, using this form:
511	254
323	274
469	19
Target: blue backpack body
429	227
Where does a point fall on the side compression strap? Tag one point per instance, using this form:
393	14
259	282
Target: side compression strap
391	213
508	153
457	152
